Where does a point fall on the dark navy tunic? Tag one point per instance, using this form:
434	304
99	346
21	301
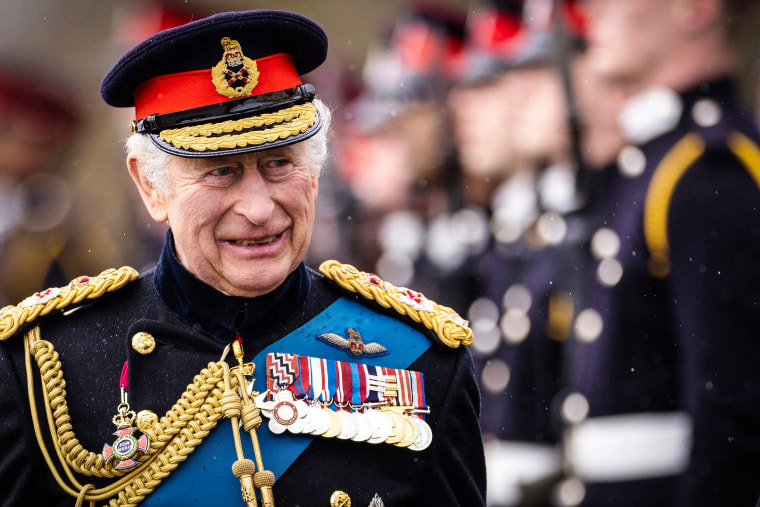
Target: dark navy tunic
192	323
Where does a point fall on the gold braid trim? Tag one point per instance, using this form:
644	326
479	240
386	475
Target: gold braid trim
281	125
659	194
79	289
172	439
451	329
748	152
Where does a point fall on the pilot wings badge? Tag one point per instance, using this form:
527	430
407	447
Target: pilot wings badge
354	345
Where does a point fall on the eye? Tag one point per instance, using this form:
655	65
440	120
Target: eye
277	168
221	171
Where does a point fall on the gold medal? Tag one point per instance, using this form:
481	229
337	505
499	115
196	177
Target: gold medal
411	432
398	428
336	425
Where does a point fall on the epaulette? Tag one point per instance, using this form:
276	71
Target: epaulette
664	180
451	329
60	298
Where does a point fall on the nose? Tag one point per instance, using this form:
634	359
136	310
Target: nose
254	200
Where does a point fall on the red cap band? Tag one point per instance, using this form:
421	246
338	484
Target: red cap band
187	90
497	32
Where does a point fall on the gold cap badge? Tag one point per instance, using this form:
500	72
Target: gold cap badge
235	75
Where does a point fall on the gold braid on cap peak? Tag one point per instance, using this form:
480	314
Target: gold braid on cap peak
451	329
289	122
59	298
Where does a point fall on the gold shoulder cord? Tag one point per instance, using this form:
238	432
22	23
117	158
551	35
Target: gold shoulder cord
452	330
198	410
657	203
664	181
748	152
212	395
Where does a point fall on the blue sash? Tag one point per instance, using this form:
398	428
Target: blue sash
205	478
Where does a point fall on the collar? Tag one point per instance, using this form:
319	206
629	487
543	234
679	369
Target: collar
201	306
659	110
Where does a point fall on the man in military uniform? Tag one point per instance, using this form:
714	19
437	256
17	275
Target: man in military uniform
663	391
232	367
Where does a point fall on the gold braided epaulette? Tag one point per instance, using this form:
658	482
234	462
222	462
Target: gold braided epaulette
58	298
451	329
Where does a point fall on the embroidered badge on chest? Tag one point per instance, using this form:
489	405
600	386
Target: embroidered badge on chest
354	345
235	75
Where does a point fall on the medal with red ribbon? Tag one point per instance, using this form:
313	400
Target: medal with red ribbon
126	445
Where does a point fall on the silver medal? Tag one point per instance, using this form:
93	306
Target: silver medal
364	428
349	428
321	420
424	435
381	426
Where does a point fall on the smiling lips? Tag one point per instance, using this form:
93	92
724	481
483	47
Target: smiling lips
261	242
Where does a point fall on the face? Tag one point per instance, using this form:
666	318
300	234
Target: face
541	121
629	39
377	169
484	134
241	223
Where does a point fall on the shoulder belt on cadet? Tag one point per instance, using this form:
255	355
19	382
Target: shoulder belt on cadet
451	329
60	298
665	179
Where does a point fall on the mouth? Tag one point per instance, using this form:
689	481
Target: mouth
258	242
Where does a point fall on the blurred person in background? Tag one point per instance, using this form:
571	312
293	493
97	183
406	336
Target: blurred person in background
46	233
511	114
397	157
662	390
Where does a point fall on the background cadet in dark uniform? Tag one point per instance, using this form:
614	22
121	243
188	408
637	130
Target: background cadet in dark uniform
510	112
663	399
397	156
367	394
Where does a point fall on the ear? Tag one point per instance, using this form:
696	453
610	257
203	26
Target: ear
155	201
315	185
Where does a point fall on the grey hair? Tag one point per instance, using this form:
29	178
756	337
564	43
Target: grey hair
154	163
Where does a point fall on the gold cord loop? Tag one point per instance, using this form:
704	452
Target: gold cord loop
173	438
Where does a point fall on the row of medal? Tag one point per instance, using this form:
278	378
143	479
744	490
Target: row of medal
372	404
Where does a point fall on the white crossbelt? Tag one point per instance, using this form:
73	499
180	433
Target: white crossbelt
510	464
629	447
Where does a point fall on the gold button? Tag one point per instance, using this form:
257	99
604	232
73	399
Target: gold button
340	499
143	343
145	420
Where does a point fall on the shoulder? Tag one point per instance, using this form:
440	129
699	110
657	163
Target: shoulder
440	322
57	300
